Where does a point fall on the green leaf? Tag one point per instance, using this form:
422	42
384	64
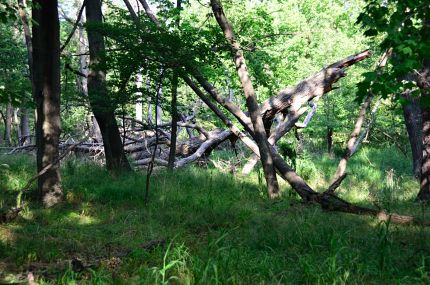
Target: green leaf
370	76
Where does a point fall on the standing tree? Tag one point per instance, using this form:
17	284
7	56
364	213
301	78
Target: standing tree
101	106
404	27
46	93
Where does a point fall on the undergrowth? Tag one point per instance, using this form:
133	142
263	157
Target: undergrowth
216	227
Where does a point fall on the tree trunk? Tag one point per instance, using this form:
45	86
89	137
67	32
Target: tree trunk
82	81
424	193
25	127
8	124
412	116
98	94
251	102
175	118
352	139
174	103
17	124
46	92
138	105
424	84
159	111
25	119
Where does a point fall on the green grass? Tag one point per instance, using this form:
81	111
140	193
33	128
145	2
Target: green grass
219	228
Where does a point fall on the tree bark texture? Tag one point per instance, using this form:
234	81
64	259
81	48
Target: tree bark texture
424	83
8	124
251	102
412	116
352	139
175	118
46	93
98	94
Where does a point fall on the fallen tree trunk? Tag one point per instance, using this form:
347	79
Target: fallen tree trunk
326	200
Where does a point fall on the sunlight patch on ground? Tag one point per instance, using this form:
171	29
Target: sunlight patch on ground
80	219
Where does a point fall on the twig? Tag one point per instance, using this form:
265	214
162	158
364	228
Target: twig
74	27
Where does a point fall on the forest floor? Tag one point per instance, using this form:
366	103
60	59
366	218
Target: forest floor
203	225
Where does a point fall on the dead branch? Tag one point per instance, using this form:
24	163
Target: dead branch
333	186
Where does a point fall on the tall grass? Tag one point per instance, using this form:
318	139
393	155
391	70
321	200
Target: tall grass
219	228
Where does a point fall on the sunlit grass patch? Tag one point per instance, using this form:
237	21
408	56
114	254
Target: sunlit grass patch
218	227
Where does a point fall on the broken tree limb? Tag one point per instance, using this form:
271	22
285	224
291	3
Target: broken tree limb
209	143
333	186
251	101
351	144
352	139
309	116
327	201
365	132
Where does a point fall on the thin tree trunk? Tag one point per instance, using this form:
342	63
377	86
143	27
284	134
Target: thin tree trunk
251	102
46	92
175	118
8	124
352	139
25	119
138	104
17	124
159	111
98	94
148	90
25	126
174	104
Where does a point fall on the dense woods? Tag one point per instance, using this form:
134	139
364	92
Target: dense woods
214	142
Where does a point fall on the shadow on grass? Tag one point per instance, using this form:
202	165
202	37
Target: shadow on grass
219	228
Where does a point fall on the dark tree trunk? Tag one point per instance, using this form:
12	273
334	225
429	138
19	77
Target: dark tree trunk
424	194
175	118
412	116
424	84
174	105
102	108
46	92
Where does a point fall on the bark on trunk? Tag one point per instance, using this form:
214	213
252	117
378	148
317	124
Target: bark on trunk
46	92
175	118
25	127
412	116
8	124
17	124
251	102
352	139
148	91
424	193
98	94
82	81
424	84
159	111
25	118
